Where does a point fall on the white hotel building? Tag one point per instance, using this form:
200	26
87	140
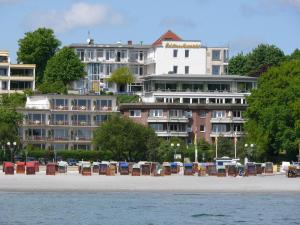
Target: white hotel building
167	55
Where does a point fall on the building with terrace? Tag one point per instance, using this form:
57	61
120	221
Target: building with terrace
15	77
169	54
59	122
184	105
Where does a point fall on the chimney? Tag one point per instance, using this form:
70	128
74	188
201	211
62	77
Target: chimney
129	42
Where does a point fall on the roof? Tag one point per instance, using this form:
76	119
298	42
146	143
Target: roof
81	45
169	35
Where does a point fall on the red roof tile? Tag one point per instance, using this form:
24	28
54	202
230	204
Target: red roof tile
169	35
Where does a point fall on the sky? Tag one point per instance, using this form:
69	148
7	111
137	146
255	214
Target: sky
239	24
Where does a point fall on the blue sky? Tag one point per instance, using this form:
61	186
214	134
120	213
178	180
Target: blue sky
239	24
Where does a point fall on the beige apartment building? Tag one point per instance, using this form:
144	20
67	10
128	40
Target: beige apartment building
15	77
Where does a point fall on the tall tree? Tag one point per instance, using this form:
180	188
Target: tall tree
38	47
256	62
63	68
121	139
295	55
273	115
237	64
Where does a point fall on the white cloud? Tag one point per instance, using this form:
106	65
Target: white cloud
177	22
79	15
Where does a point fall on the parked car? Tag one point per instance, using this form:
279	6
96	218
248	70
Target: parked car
72	162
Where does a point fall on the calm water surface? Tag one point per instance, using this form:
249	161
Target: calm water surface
124	208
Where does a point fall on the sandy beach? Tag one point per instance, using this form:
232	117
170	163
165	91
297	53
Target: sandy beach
176	183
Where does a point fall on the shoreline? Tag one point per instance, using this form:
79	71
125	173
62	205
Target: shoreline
73	182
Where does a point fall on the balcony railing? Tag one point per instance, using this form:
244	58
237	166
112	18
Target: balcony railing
59	122
82	108
35	122
81	123
36	138
61	107
104	108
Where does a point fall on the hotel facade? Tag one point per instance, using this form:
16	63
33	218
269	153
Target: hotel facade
184	90
169	54
15	77
58	122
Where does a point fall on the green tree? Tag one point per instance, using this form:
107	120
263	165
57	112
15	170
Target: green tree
273	113
166	151
121	139
263	56
121	77
64	66
295	55
38	47
256	62
225	147
236	64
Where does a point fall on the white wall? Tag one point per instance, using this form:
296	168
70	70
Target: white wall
165	61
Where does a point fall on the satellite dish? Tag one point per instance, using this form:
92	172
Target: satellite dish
88	41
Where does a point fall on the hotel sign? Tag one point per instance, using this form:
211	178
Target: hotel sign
173	45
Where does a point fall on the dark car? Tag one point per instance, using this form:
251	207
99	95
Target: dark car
72	162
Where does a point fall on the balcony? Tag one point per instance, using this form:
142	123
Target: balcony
35	138
59	123
81	123
104	108
35	122
172	133
227	134
60	107
227	120
80	108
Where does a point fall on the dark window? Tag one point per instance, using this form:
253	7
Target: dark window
186	53
175	52
186	69
175	69
202	128
202	114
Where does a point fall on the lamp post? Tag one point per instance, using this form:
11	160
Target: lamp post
11	147
177	146
249	148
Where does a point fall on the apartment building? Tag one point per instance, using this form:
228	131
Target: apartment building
15	77
169	54
59	122
182	105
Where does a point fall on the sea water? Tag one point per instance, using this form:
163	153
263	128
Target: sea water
146	208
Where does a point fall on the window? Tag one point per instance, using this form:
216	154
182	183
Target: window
176	113
202	128
123	54
237	114
80	54
220	128
4	85
135	113
141	56
215	70
99	53
3	72
186	53
175	69
157	126
20	85
186	69
202	114
218	114
156	113
175	52
216	55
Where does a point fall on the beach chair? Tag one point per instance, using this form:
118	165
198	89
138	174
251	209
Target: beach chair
123	168
30	168
51	168
188	169
9	168
166	169
136	170
62	167
96	166
20	167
